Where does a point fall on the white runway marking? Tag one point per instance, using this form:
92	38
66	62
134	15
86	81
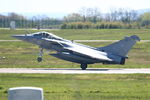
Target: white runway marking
76	70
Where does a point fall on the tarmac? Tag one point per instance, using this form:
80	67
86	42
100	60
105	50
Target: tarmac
76	70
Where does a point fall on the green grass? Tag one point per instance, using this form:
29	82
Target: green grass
23	55
76	87
85	34
81	87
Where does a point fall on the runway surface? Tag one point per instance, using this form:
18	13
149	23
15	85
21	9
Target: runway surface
76	70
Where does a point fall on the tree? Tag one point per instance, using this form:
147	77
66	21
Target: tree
145	19
2	20
74	17
123	15
19	19
90	14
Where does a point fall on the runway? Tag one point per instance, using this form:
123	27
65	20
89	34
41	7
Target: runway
76	70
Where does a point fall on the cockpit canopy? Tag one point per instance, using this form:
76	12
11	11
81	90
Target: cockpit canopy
47	35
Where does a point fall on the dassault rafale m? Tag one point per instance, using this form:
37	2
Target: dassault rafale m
115	53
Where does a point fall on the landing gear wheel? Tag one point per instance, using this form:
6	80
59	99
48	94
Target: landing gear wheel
39	59
83	66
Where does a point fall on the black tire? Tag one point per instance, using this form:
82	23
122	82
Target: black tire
83	66
39	59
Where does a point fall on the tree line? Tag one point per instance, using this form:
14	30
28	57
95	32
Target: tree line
86	18
116	18
34	22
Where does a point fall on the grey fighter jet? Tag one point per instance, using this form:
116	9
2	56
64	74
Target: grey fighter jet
115	53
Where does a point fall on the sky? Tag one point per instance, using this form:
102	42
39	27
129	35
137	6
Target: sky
68	6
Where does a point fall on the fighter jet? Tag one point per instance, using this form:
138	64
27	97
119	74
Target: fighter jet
68	50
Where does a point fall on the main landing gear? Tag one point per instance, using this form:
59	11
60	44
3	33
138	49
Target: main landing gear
83	66
39	59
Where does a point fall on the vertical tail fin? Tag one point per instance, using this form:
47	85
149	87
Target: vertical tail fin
121	47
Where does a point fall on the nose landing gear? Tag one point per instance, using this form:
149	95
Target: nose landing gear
39	59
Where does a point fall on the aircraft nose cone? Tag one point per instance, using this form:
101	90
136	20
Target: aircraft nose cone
20	37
